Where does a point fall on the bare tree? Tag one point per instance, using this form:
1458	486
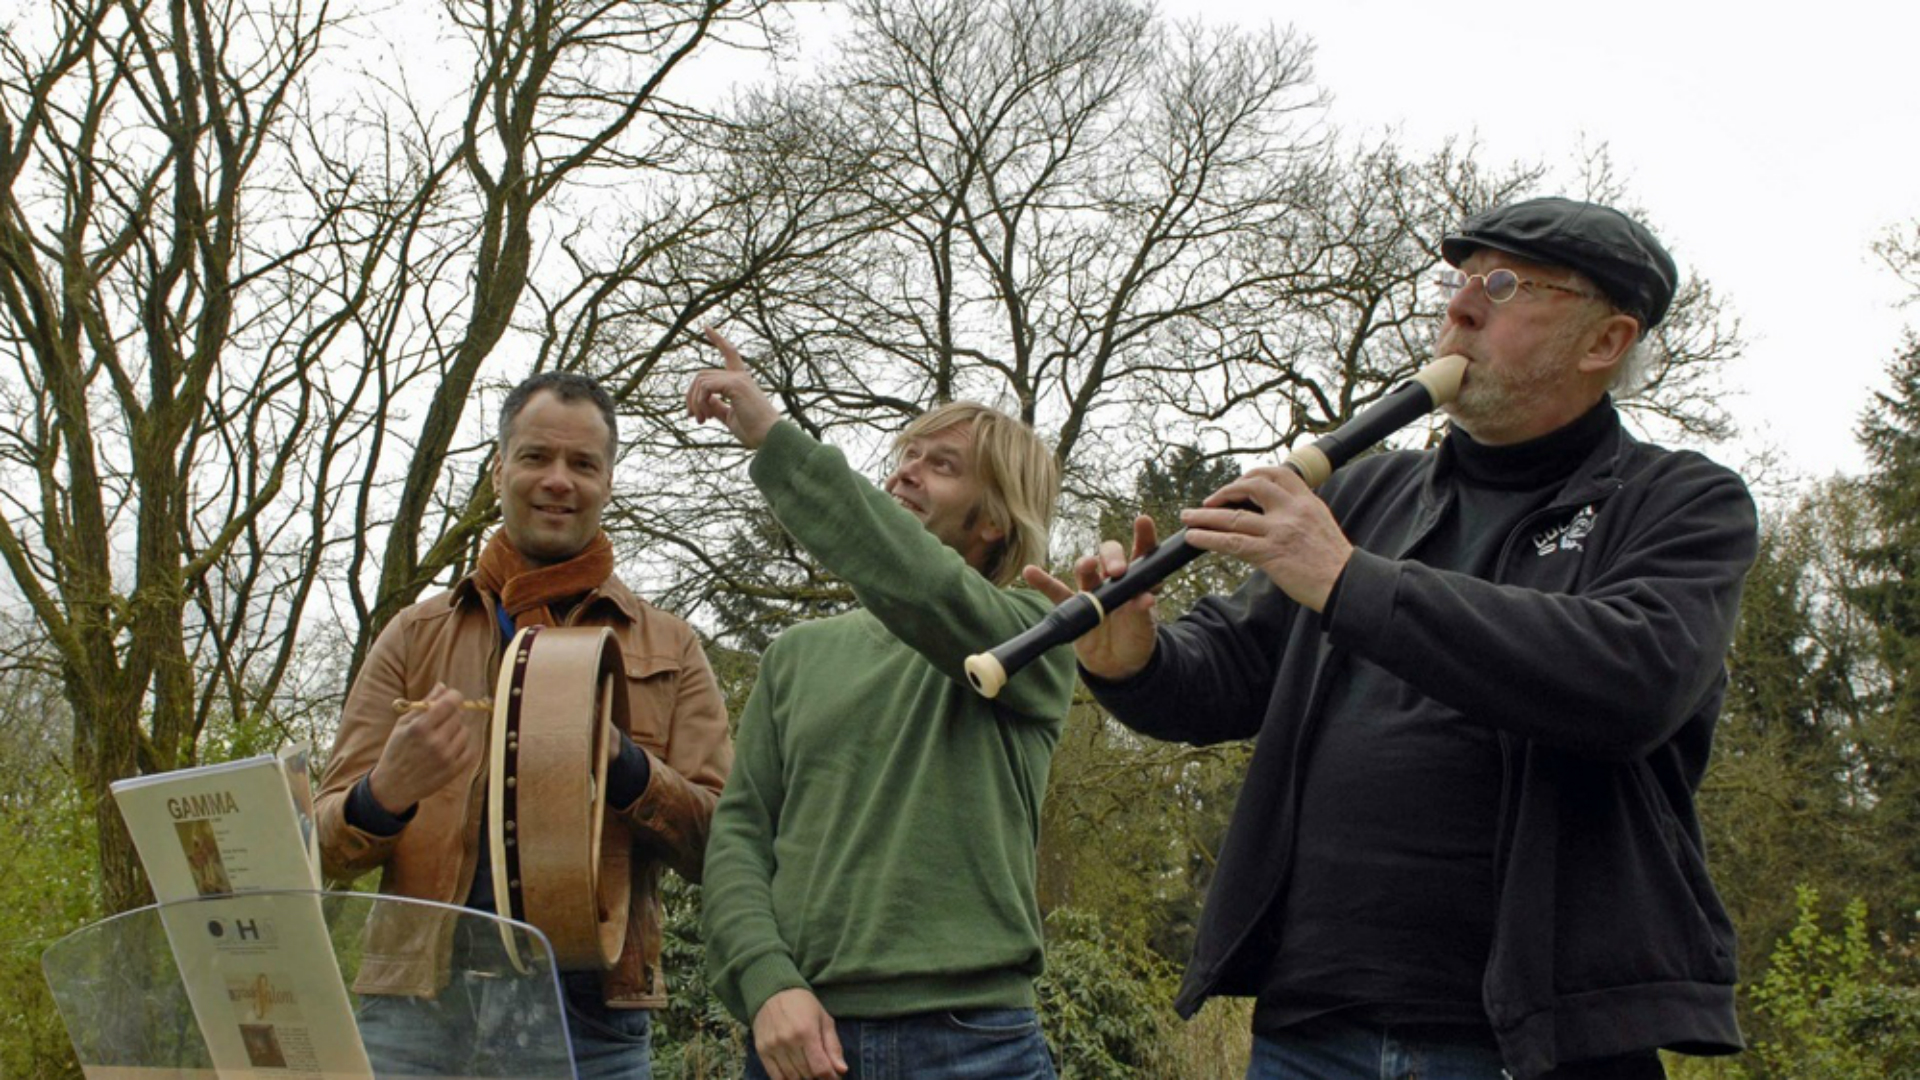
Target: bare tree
164	364
255	270
1110	225
1899	249
570	197
247	299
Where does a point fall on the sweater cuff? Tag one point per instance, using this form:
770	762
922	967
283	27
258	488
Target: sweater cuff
780	455
765	977
365	813
629	774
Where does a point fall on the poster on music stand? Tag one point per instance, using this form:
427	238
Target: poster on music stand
259	968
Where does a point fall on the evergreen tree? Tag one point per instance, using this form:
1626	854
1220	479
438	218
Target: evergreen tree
1777	805
1890	559
1182	478
1886	560
1131	824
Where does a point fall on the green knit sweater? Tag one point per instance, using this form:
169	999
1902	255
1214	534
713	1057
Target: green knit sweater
875	842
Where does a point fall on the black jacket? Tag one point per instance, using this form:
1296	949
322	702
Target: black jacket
1598	655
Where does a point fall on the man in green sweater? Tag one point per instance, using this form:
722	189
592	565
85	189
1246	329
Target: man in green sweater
870	899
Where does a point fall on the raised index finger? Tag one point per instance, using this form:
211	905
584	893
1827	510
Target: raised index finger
727	352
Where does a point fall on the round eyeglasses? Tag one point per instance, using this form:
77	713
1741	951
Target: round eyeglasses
1500	285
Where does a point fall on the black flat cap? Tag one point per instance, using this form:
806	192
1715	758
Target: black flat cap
1612	249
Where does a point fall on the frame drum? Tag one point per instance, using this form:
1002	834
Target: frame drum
560	857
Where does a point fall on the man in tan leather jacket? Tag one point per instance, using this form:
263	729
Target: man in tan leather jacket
406	793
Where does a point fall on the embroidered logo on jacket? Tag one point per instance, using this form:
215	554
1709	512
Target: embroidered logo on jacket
1567	536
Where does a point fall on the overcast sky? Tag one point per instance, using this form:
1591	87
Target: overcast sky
1769	152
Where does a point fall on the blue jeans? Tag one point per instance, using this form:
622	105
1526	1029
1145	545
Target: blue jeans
487	1024
608	1044
967	1044
1334	1049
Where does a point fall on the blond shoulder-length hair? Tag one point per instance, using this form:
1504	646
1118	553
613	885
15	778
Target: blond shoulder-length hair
1019	480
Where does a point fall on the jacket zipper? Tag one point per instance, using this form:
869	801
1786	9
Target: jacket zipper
1502	840
1325	664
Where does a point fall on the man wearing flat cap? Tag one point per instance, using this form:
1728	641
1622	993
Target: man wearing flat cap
1483	681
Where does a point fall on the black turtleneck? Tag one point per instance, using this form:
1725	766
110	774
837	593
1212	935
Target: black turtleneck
1388	912
1537	463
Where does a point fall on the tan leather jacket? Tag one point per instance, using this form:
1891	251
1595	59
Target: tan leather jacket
675	714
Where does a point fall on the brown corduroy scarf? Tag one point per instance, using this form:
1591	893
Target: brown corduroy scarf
527	592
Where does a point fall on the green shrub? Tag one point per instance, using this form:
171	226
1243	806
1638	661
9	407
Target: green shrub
693	1037
1833	1007
1105	1006
47	892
